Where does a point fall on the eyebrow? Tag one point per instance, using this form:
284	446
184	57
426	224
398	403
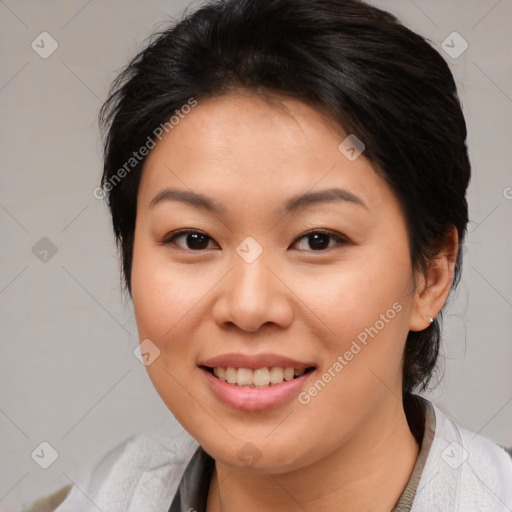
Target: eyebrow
298	202
301	201
184	196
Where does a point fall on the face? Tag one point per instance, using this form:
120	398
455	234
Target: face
272	271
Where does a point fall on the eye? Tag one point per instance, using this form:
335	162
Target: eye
197	241
319	240
193	240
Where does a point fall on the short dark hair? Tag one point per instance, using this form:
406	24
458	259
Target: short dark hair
379	80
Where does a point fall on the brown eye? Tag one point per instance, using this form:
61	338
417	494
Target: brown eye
320	240
191	240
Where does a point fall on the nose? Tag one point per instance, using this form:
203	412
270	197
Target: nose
253	295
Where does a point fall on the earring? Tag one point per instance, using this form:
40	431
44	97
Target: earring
430	320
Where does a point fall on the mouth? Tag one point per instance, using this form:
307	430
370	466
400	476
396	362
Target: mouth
256	382
256	378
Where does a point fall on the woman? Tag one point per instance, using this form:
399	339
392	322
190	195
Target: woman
287	182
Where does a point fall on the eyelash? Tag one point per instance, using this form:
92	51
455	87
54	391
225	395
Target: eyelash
338	238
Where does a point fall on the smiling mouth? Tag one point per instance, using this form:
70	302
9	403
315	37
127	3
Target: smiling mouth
264	377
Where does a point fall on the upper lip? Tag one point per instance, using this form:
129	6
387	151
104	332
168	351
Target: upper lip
254	362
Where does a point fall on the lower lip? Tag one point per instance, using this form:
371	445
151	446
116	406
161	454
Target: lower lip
255	399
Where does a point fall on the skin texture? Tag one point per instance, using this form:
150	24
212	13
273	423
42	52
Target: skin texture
350	444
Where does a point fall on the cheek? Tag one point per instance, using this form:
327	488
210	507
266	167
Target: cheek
161	296
163	291
364	313
364	309
361	294
164	302
169	301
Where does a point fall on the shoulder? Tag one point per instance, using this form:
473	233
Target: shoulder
464	471
473	447
486	464
142	472
51	502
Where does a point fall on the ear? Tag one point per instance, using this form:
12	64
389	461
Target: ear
432	288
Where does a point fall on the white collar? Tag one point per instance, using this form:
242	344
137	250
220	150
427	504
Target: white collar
464	472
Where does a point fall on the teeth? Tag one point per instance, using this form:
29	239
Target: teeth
244	377
276	375
259	378
288	374
231	375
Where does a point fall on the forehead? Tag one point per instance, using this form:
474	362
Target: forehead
243	145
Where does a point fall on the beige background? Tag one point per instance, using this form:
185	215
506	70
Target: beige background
68	374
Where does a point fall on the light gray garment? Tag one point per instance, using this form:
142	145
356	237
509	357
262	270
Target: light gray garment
464	472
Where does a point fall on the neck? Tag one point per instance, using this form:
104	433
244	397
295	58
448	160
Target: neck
368	474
